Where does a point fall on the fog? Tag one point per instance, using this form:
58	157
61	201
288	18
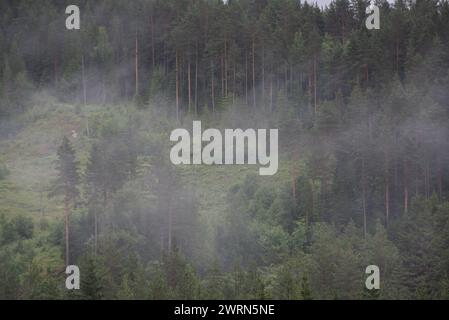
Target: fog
361	177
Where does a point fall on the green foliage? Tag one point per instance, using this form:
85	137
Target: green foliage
363	122
18	228
92	281
181	278
67	165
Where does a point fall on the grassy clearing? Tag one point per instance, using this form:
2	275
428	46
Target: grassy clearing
30	157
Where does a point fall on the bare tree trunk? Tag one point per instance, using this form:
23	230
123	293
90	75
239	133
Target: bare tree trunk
83	80
233	82
222	76
440	177
226	66
189	85
181	80
95	231
427	179
254	70
246	78
405	186
387	189
137	66
177	85
324	193
310	83
271	92
153	50
170	224
397	56
315	84
41	203
313	205
196	80
212	85
364	199
162	243
164	59
263	76
66	220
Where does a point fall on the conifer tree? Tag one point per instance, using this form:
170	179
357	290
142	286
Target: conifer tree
67	185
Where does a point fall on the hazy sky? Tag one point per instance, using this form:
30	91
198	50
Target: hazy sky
322	3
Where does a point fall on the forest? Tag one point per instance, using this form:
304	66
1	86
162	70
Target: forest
85	171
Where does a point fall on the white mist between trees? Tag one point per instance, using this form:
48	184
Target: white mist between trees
207	148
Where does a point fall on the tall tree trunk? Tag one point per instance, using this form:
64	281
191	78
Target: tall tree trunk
263	76
387	188
364	199
254	69
222	76
294	172
170	224
177	84
312	209
189	84
137	65
315	83
233	83
95	231
196	80
66	224
271	92
83	80
440	177
212	85
226	65
162	248
164	59
406	178
310	89
153	49
246	78
41	203
324	193
181	79
428	182
397	56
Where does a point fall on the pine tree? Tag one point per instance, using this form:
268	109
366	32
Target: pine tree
91	281
67	185
97	183
306	293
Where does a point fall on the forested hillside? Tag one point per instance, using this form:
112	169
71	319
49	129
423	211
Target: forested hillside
85	171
